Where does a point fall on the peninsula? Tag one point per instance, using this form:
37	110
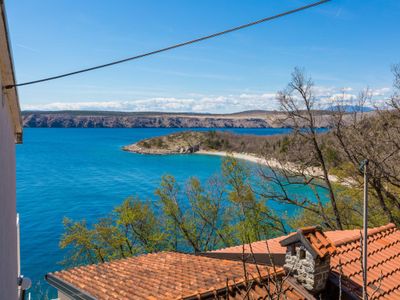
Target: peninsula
221	143
200	141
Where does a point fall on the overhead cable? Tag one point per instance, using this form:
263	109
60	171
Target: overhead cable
289	12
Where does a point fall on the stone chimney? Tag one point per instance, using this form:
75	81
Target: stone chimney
307	257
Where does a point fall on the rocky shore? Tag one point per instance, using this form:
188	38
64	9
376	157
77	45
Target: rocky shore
157	151
186	142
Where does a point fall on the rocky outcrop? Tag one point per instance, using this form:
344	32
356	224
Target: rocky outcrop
186	142
136	148
189	149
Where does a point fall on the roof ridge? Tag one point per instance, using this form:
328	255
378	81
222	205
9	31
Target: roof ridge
281	237
371	232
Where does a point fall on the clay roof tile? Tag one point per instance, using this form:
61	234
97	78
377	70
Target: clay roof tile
383	262
165	275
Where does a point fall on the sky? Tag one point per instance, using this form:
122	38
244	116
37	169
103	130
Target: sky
344	45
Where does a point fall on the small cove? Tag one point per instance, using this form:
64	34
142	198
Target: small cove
83	174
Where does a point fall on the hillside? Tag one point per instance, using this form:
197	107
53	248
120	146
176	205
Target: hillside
104	119
194	141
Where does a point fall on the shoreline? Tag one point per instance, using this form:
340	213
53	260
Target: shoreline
272	163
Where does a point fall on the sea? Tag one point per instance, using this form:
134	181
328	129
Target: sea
82	173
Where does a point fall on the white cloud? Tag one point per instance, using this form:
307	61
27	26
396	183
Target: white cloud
345	97
111	105
385	91
347	89
323	91
195	102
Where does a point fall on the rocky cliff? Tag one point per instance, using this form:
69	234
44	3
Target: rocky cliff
86	119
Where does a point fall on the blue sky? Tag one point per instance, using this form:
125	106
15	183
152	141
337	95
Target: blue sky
344	45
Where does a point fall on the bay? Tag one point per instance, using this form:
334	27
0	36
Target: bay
82	173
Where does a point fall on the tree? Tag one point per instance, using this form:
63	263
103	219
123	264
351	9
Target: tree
255	219
200	217
141	229
395	99
298	102
373	137
329	162
132	228
82	243
202	223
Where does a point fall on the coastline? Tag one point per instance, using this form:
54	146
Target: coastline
272	163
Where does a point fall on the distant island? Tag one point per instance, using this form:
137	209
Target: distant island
111	119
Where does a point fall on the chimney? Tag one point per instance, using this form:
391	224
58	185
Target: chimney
307	257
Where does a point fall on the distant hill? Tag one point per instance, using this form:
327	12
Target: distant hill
113	119
350	108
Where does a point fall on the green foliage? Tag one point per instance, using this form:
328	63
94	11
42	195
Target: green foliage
131	229
199	217
140	226
203	224
284	145
332	156
159	143
350	204
212	140
82	241
256	220
146	145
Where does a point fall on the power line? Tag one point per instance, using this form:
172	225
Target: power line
173	46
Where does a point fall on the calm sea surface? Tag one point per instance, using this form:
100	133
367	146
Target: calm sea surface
84	174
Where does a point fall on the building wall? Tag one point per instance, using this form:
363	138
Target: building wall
8	229
311	273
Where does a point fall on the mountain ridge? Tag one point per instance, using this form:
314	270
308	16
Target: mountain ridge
113	119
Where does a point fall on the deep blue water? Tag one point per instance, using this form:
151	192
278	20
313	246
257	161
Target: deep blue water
83	173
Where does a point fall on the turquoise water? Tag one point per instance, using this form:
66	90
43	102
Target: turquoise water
82	173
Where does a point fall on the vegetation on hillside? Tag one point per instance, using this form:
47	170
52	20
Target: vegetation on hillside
237	207
208	141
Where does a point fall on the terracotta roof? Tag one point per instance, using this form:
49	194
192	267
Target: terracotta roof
170	275
164	275
383	262
314	239
319	241
383	256
337	237
257	247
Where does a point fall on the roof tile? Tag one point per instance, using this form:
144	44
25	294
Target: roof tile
167	275
383	262
336	237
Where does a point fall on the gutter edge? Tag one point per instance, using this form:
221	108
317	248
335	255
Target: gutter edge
67	288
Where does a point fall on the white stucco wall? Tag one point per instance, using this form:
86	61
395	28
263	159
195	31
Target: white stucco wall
8	229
